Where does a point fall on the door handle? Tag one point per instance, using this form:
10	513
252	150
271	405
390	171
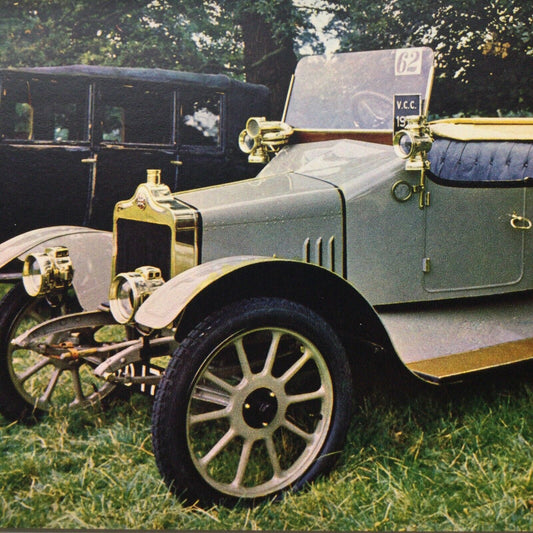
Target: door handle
522	223
177	163
89	160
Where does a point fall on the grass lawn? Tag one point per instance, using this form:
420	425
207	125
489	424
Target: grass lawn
455	459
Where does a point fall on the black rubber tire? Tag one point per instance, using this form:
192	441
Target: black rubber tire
214	341
17	403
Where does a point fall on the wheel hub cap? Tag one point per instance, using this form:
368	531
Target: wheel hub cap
260	408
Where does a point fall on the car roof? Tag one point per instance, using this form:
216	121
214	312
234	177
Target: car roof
215	81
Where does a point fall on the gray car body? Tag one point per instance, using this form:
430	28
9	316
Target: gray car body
445	280
330	204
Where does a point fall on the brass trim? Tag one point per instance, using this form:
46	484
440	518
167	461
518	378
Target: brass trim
154	203
397	193
460	364
289	93
520	223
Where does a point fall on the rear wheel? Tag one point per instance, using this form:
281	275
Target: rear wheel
255	401
31	383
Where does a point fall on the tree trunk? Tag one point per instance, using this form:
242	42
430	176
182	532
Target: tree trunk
266	61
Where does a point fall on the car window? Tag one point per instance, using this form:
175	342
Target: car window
200	119
44	110
135	114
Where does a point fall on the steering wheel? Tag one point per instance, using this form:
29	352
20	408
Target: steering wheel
371	110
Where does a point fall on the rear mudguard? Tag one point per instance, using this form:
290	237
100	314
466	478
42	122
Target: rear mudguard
90	250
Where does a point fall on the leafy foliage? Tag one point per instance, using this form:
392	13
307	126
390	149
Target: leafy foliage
247	39
484	49
109	32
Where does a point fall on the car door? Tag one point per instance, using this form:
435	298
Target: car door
135	131
45	143
476	222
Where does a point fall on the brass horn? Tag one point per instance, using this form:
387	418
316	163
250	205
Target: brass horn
262	136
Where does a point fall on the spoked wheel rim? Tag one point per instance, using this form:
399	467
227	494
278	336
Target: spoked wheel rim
45	382
259	412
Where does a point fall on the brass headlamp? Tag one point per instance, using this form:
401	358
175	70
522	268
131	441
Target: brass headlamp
48	272
129	290
413	142
262	138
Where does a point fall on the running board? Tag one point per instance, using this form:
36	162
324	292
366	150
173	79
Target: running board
457	366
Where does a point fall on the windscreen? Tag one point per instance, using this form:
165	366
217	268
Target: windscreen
360	90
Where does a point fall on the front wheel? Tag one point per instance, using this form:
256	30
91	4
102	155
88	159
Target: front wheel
30	382
255	401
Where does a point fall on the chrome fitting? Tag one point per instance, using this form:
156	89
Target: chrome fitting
129	290
48	272
262	137
413	143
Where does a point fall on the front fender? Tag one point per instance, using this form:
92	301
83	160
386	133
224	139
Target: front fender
167	302
90	250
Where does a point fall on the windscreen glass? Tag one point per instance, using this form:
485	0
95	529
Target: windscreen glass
360	90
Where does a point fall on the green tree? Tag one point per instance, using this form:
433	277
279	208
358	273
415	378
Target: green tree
250	39
270	33
472	75
110	32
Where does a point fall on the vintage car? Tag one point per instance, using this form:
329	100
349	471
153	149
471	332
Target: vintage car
371	238
76	139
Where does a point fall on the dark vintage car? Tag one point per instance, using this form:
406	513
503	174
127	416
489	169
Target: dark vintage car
76	139
256	309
